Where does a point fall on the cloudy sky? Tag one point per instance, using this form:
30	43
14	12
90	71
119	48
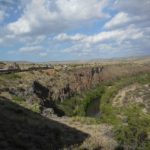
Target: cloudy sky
43	30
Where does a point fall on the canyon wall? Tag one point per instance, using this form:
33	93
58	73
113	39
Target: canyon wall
49	86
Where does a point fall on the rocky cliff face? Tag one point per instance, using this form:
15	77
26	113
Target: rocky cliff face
49	86
68	84
64	86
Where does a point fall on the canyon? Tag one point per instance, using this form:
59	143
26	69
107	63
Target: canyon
47	91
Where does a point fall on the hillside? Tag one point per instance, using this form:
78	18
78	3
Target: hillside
77	106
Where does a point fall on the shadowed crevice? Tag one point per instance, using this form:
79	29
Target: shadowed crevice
22	129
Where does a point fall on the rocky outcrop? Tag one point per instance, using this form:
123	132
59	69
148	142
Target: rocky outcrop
67	85
47	105
48	86
22	129
41	91
64	86
65	92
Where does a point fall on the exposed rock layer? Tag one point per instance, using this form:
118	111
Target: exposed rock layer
49	86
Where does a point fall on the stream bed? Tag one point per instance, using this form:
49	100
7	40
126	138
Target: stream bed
93	110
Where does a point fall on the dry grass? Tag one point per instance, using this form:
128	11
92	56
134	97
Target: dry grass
132	94
100	135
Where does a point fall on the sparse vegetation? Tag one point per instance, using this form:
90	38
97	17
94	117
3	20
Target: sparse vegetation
11	76
23	129
78	105
134	132
33	107
128	124
17	99
131	125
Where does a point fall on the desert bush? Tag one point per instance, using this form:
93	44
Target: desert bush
11	76
77	106
17	99
133	134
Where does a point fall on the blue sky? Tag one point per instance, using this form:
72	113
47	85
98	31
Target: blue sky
45	30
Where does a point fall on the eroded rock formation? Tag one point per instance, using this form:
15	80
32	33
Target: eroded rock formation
49	86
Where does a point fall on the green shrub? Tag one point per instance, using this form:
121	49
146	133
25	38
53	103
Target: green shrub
77	106
17	99
133	134
11	76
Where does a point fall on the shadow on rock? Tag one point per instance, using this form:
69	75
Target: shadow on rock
46	101
22	129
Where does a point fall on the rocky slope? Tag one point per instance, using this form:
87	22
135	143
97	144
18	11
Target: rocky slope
22	129
48	86
41	91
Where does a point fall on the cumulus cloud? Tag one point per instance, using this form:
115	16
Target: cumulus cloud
138	8
44	54
126	32
81	10
65	37
125	41
130	32
135	7
75	27
53	16
119	19
30	49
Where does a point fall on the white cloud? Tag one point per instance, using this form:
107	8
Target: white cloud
21	26
65	37
127	41
79	49
52	16
33	40
119	19
81	10
40	21
130	32
30	49
43	54
26	40
135	7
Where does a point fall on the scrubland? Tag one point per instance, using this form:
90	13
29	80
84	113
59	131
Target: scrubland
102	106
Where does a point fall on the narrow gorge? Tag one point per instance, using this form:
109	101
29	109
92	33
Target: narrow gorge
80	97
